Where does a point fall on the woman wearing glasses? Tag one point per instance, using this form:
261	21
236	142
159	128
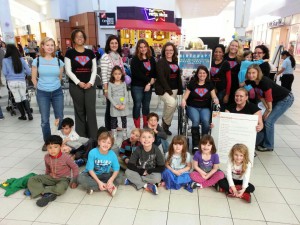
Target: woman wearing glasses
168	83
262	52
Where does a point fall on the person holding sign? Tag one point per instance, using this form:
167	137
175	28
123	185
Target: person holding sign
221	75
242	105
200	91
168	84
276	100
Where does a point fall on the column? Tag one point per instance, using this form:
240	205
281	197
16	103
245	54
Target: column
241	16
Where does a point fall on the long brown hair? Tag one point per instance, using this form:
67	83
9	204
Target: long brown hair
175	54
138	52
181	140
243	149
208	139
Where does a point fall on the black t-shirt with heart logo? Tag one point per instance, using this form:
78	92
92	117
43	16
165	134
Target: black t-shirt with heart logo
174	75
200	96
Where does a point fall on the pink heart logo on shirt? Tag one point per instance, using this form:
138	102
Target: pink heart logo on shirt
147	65
82	59
214	71
201	91
174	67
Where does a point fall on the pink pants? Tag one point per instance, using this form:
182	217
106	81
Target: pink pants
195	176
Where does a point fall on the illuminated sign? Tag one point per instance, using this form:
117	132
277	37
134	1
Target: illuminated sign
155	14
107	19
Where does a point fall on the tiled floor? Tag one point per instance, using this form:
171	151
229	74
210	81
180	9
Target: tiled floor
276	176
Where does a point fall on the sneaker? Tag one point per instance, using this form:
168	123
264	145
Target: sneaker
263	149
79	162
27	192
89	191
45	199
195	185
127	182
1	118
22	118
195	149
112	191
44	148
152	188
161	184
247	197
218	188
189	188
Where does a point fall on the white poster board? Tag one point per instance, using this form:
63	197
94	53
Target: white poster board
233	128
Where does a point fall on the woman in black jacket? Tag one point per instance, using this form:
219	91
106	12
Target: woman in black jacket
168	83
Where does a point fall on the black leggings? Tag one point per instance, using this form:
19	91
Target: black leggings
287	80
114	122
225	185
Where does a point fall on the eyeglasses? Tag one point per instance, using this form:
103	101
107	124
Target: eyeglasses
169	51
258	53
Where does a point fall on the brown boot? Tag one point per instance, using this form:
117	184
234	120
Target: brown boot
166	127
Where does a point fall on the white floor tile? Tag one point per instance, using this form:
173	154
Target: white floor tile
183	204
180	218
280	213
291	196
289	182
210	192
285	152
292	161
296	210
214	207
278	170
62	212
209	220
151	202
127	199
72	196
115	216
7	205
14	222
243	210
248	222
97	198
147	217
266	194
87	214
261	180
295	169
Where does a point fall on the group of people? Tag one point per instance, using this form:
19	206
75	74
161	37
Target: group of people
233	79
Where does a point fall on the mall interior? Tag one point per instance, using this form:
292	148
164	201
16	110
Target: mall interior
275	174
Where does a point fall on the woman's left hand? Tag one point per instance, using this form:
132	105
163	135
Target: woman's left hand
266	114
147	88
88	85
225	99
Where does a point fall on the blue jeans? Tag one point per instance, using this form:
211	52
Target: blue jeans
200	115
278	109
164	143
44	100
140	99
220	95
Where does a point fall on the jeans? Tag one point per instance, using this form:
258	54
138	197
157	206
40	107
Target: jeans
200	115
44	100
1	113
278	109
164	143
220	95
140	99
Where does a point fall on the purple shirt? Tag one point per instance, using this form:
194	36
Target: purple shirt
206	166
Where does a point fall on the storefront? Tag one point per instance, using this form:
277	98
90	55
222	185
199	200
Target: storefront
155	26
294	37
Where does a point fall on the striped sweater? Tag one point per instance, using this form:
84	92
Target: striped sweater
107	65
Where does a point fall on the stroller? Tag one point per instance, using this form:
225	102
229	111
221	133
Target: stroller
12	105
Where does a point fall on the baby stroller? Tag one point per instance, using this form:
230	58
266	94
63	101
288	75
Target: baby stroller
21	106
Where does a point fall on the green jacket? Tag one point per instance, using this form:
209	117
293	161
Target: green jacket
13	185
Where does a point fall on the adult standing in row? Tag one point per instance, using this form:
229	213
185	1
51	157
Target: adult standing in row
111	58
143	77
168	84
15	70
287	69
81	67
48	69
276	100
262	52
233	56
220	75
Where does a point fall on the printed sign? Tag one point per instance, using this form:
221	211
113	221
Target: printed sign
107	19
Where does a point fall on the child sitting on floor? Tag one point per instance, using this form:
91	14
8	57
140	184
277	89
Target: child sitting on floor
128	147
97	175
146	164
178	165
58	174
160	134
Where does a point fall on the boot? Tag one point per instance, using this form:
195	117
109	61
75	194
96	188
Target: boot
124	136
195	138
247	197
145	122
166	127
22	111
114	134
137	122
27	108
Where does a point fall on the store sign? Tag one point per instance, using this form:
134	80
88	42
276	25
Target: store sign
155	14
107	19
277	23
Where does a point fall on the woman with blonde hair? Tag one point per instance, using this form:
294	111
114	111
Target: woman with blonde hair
46	77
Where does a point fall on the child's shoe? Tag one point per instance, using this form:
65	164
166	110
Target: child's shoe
124	136
79	162
127	182
195	185
45	199
152	188
112	190
247	197
27	192
114	134
89	191
218	188
188	187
